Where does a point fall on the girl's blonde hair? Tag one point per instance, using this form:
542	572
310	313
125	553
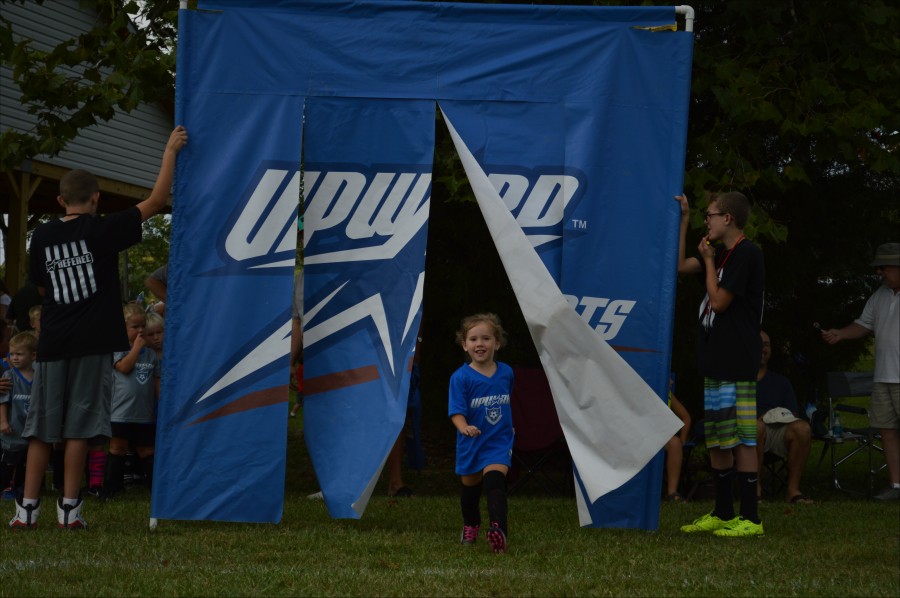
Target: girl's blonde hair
154	320
486	318
133	309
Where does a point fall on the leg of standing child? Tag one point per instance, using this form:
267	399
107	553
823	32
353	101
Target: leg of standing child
6	480
29	506
470	503
495	492
68	507
146	454
674	458
722	462
748	479
96	465
114	476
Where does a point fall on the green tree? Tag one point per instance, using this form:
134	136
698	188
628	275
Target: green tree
148	255
797	105
84	80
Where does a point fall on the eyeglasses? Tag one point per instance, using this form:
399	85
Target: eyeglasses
711	214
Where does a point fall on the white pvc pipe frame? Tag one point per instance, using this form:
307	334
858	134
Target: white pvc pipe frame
688	13
683	9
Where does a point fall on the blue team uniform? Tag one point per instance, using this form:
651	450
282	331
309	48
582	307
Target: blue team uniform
485	404
19	399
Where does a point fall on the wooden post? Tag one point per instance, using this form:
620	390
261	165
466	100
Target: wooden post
24	186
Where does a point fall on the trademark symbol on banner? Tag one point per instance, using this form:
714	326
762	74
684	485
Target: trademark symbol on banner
579	224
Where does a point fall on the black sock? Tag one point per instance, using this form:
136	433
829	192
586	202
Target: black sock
147	468
469	501
114	474
747	488
724	508
6	475
495	492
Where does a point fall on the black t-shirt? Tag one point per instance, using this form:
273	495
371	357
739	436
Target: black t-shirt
77	264
730	345
774	390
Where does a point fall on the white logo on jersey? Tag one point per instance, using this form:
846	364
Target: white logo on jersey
143	371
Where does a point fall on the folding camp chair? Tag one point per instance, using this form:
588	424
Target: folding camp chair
775	479
540	454
863	439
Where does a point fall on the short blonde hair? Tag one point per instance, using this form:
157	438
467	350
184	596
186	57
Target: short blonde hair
133	309
154	320
26	340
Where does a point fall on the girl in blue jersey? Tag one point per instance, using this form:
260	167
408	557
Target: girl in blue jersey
480	410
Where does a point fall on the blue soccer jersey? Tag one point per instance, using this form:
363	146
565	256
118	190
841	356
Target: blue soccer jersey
485	404
18	399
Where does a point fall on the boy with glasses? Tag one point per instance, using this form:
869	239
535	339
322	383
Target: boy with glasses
730	351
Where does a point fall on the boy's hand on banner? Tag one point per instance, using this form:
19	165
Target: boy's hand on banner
177	139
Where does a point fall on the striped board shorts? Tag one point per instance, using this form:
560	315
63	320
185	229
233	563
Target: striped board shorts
729	413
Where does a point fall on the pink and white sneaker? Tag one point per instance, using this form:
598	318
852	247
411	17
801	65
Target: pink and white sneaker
497	539
469	534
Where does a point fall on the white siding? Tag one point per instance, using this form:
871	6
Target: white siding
128	148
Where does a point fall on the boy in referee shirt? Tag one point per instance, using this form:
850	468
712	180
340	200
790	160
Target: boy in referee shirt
74	262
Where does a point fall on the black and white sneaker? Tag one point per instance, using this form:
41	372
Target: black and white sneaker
26	516
69	516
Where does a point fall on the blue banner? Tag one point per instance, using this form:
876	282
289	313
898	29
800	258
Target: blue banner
577	115
367	185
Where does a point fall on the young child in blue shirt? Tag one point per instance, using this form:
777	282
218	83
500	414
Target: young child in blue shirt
135	389
480	410
14	410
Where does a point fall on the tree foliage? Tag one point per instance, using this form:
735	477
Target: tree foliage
797	105
148	255
81	81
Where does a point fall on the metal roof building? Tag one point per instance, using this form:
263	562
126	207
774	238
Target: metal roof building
124	152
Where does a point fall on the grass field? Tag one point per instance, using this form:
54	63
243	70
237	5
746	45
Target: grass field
841	546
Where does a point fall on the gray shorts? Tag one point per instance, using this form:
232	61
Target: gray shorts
884	409
70	398
775	439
